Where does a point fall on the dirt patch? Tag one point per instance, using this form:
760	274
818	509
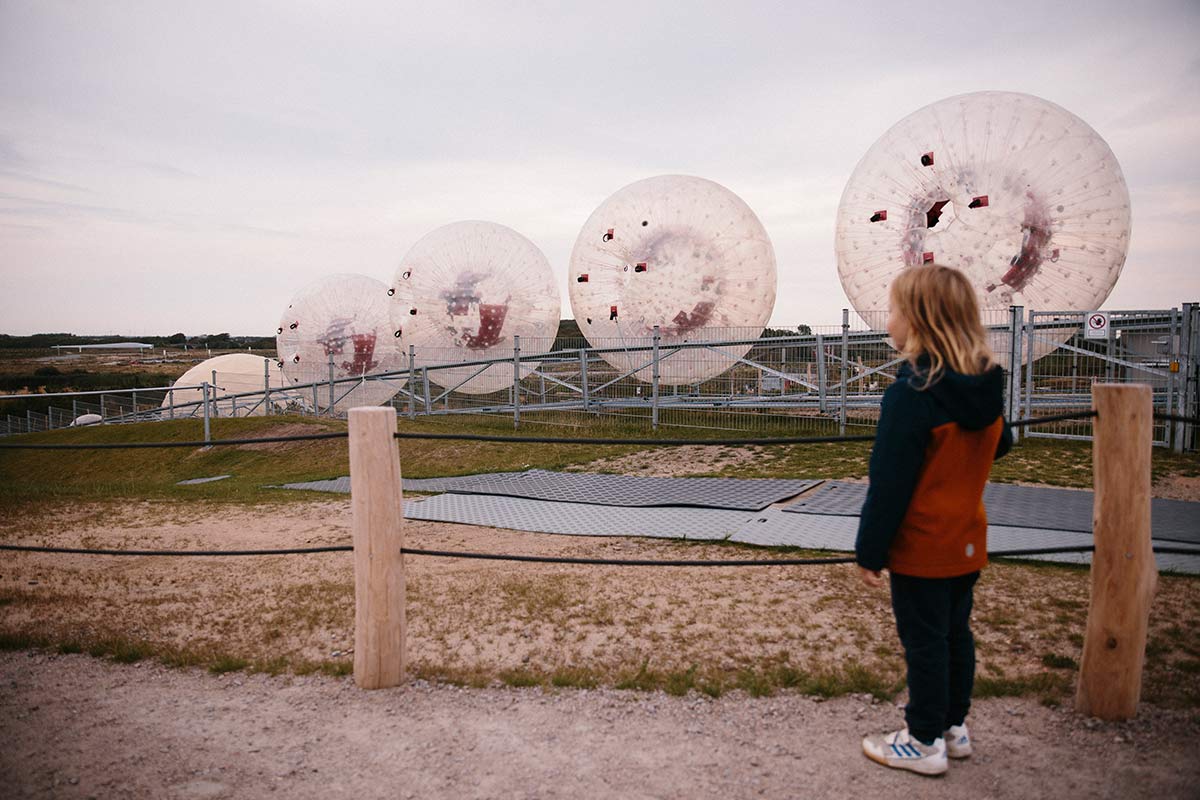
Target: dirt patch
676	462
482	622
80	727
1178	487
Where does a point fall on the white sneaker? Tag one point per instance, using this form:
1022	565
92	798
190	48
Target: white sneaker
901	751
958	741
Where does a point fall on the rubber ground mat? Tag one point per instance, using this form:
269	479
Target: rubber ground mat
341	485
635	490
776	528
410	484
1035	507
598	489
581	519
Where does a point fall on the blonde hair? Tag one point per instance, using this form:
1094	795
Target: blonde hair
938	303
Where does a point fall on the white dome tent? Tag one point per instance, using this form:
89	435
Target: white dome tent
235	374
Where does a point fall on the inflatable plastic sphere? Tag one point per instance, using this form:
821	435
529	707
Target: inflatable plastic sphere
86	419
340	320
1020	194
679	252
463	292
236	373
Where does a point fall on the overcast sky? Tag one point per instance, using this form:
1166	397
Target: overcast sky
187	166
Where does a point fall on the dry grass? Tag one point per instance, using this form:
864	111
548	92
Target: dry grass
761	630
810	629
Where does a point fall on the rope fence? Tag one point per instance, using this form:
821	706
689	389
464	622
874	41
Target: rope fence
610	562
1123	569
484	437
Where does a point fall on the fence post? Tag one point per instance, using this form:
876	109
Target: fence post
171	402
378	531
845	370
133	399
821	404
101	405
1030	340
1108	352
216	411
332	388
1187	356
1124	574
516	381
207	431
1013	405
412	381
583	377
74	409
266	387
654	380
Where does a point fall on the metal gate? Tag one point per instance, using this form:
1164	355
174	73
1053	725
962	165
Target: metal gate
1061	361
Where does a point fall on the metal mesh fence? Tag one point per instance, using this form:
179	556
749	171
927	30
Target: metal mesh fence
805	380
1151	347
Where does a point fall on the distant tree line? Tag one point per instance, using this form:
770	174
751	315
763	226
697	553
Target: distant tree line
569	335
213	341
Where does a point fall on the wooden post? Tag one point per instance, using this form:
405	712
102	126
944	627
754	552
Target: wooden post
1124	575
379	627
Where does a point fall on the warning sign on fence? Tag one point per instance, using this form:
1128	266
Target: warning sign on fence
1096	325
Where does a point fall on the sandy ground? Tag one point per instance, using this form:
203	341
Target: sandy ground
74	726
476	621
675	462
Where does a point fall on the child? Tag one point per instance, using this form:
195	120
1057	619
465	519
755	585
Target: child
940	427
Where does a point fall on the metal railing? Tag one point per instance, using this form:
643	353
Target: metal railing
826	379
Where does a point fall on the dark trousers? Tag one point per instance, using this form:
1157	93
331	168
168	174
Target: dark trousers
933	617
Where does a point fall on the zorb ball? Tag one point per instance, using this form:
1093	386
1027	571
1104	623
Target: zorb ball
681	253
338	325
1019	194
463	292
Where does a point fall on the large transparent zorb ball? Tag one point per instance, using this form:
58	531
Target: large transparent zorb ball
1020	194
463	292
338	325
679	252
237	386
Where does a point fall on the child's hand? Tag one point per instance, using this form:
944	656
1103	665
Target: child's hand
871	577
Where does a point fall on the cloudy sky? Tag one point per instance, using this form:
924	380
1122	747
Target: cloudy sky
187	166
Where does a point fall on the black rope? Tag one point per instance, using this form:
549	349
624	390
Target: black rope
484	437
214	443
620	562
1088	548
1022	423
90	551
635	562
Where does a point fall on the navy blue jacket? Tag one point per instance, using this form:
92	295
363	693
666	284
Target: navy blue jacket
933	450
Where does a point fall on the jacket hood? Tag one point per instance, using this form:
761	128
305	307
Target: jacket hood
973	401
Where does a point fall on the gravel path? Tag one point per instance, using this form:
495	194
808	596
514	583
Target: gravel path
73	726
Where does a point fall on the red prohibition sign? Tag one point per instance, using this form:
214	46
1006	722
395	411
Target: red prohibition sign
1097	321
